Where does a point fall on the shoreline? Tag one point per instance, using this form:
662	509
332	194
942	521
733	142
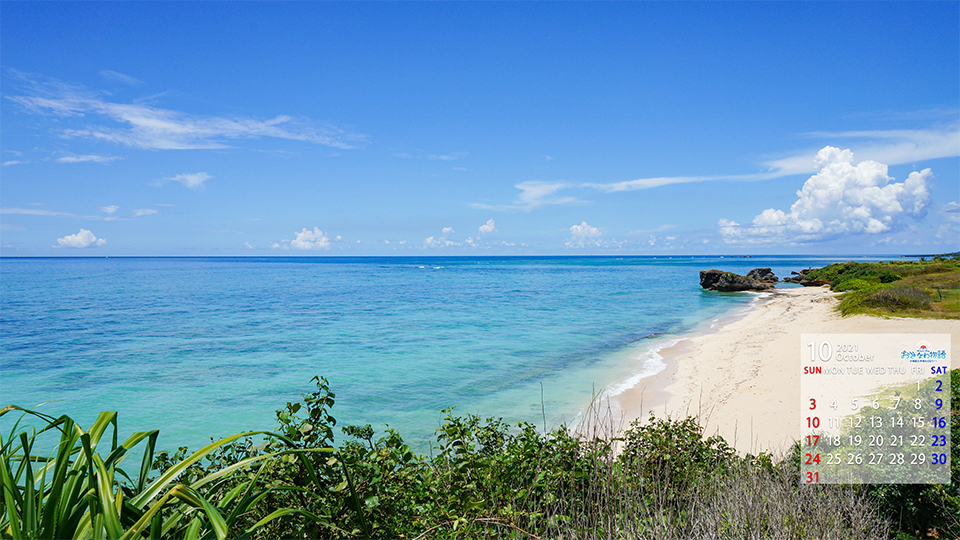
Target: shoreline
739	376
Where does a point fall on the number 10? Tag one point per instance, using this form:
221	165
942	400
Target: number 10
824	356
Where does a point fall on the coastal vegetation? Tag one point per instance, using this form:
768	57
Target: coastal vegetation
928	288
481	479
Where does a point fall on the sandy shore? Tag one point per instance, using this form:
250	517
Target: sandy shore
742	378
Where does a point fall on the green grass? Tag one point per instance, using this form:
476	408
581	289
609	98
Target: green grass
926	289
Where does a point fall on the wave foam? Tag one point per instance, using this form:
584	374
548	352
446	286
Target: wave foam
652	363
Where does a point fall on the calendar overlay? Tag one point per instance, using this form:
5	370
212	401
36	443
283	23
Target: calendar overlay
875	409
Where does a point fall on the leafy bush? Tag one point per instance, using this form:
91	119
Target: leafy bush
841	274
855	284
484	479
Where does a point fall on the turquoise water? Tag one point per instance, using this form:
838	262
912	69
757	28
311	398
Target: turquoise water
202	347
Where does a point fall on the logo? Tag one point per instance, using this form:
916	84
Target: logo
923	353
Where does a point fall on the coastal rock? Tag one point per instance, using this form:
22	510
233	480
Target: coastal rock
765	275
718	280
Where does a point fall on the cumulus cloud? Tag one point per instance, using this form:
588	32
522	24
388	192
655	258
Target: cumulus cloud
432	242
143	126
249	245
447	230
112	209
583	235
144	212
192	180
82	239
488	227
314	239
841	199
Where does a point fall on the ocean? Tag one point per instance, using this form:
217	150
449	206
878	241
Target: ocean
209	347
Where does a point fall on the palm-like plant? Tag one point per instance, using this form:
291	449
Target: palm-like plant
79	493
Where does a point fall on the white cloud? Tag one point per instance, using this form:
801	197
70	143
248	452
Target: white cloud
533	194
488	227
82	239
893	147
447	230
35	212
191	180
453	156
87	158
950	230
432	242
13	162
112	209
841	199
144	126
402	242
249	245
144	212
661	228
314	239
120	77
583	235
647	183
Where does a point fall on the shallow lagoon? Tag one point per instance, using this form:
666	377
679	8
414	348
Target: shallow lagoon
202	347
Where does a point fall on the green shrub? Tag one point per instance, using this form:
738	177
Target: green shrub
854	284
919	509
898	298
484	479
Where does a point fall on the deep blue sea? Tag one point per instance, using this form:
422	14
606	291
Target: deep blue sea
202	347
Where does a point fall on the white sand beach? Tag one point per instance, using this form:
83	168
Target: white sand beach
741	378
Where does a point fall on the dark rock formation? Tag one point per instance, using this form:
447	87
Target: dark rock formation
763	274
718	280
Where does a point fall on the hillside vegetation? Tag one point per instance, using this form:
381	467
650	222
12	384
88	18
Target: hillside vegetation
925	288
482	479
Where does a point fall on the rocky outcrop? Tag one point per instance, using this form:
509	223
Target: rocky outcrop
764	275
804	279
718	280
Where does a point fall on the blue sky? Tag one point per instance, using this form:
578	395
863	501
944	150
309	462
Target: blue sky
203	128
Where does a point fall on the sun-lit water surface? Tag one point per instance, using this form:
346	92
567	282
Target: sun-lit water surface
202	347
